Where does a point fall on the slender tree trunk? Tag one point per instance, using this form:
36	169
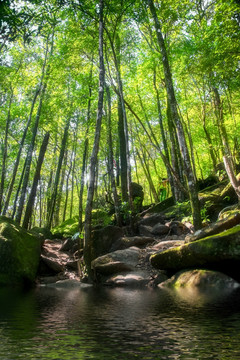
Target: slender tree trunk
148	176
123	155
15	169
29	160
193	194
31	199
125	122
57	177
93	161
112	178
227	154
173	185
72	188
84	158
43	86
67	190
56	215
5	151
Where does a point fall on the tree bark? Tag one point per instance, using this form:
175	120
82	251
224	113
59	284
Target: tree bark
15	169
5	151
193	194
111	172
57	177
43	86
88	212
31	199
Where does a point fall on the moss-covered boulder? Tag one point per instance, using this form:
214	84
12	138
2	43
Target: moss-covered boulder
19	254
219	252
201	278
42	232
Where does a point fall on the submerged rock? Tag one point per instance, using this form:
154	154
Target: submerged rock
19	253
201	278
133	279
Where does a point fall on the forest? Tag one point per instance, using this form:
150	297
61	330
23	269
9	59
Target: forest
97	96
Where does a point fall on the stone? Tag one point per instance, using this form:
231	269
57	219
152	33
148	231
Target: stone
117	261
103	240
133	279
201	278
152	219
145	230
70	244
126	242
218	252
44	232
52	264
160	230
215	228
19	253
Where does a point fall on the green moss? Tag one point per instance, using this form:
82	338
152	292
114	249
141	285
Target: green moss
19	253
67	228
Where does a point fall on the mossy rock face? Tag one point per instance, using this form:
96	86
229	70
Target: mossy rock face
200	278
42	232
19	254
218	252
161	207
67	228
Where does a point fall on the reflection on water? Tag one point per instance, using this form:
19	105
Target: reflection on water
48	323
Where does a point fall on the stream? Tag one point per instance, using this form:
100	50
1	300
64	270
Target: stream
119	323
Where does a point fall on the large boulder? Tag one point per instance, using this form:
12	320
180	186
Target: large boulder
126	242
19	253
44	233
117	261
219	252
104	238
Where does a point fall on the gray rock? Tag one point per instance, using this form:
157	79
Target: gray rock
126	242
133	279
103	240
152	219
145	230
160	230
52	264
117	261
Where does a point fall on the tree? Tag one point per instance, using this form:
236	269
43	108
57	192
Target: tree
93	161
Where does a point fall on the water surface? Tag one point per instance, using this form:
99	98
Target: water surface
49	323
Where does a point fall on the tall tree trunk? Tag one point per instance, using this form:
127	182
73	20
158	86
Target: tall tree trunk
29	160
193	194
111	172
31	199
173	185
57	176
5	151
227	154
16	164
43	86
56	216
148	175
122	152
84	158
93	161
125	122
